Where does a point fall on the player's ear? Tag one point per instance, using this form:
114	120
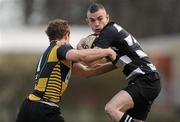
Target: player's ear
87	20
66	36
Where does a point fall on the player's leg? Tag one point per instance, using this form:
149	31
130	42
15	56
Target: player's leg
135	100
118	105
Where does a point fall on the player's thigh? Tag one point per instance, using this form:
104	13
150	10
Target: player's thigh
121	101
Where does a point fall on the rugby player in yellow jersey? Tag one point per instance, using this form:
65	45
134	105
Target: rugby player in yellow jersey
53	71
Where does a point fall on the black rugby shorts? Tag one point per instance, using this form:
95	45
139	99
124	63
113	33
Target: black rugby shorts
143	90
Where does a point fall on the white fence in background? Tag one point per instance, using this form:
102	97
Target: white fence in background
33	39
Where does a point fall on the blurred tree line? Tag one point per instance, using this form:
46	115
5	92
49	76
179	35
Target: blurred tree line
140	17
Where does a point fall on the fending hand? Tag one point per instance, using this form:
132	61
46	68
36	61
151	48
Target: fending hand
112	54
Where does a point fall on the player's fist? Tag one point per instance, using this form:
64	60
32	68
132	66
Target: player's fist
112	54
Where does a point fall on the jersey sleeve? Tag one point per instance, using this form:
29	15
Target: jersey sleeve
62	50
106	37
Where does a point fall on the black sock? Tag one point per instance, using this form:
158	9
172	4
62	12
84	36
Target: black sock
126	118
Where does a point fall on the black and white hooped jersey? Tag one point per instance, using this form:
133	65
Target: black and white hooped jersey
135	60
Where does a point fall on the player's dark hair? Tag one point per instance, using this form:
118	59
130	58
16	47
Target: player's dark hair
94	7
57	29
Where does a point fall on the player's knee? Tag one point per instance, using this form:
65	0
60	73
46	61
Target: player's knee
109	108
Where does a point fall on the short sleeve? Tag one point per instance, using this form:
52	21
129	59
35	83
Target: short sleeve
62	50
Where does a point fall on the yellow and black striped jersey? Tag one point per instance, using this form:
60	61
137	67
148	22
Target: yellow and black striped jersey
52	74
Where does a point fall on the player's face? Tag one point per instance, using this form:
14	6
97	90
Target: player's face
97	20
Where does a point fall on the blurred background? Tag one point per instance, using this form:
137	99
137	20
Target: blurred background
155	23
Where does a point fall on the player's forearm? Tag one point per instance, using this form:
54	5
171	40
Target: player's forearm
88	55
101	69
81	70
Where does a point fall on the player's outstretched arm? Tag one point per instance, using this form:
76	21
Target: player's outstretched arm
82	70
65	51
90	55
